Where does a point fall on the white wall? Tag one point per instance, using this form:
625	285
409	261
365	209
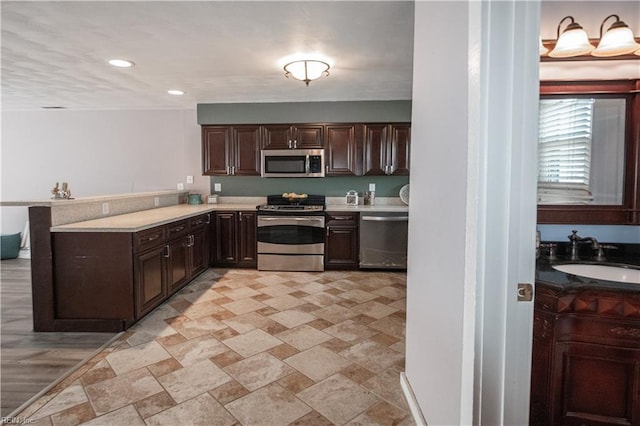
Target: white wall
472	211
97	153
437	228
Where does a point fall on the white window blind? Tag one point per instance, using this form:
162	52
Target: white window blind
564	151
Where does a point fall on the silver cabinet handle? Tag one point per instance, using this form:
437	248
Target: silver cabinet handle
295	143
167	253
305	219
208	218
289	143
240	216
386	218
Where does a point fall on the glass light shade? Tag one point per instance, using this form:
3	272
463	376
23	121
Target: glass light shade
542	49
306	70
572	42
616	41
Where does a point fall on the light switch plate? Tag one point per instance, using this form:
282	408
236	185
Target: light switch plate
372	187
217	187
180	186
156	201
189	179
105	208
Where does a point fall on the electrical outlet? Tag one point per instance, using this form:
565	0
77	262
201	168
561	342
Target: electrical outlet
180	186
105	208
189	179
217	187
372	187
156	201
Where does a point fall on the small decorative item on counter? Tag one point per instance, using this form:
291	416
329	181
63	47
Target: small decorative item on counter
369	198
61	193
352	198
195	199
212	199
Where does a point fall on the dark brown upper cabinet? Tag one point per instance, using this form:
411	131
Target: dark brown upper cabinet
231	150
605	208
299	136
386	149
343	150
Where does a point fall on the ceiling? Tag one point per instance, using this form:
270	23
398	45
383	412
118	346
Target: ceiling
54	53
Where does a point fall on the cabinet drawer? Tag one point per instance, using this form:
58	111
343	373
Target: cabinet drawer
149	238
199	222
595	330
177	229
340	218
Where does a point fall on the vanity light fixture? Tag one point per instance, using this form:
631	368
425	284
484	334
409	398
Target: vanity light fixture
618	40
542	48
573	41
306	70
121	63
175	92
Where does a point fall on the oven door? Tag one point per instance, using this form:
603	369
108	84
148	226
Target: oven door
291	234
290	243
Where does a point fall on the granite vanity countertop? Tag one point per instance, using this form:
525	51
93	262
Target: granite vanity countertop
145	219
546	274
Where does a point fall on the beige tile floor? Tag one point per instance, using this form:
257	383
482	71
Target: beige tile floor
251	348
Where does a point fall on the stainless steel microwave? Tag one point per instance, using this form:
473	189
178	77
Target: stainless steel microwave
292	163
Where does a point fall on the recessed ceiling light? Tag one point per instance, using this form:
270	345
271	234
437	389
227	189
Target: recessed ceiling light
121	63
175	92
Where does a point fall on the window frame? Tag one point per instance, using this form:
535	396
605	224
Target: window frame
629	211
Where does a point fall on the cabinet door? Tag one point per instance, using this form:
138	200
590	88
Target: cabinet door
226	238
177	263
246	151
277	136
596	385
341	153
375	149
199	252
399	143
341	248
216	146
247	243
308	136
150	283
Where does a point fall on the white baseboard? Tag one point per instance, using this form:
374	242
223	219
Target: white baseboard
416	412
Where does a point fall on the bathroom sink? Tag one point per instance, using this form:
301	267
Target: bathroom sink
621	274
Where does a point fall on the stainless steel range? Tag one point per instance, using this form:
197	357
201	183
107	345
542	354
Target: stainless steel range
291	234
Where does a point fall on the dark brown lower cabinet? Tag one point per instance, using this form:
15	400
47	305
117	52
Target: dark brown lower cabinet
342	241
586	358
106	281
151	279
236	239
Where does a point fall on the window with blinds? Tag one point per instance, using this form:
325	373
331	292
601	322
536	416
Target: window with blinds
564	151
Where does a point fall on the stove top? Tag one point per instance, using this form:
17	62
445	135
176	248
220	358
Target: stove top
278	203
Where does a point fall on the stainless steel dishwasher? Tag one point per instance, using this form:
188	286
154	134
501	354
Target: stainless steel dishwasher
383	240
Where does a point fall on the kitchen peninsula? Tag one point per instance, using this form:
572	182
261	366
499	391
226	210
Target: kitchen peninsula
97	271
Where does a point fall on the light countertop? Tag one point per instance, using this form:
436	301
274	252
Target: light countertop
145	219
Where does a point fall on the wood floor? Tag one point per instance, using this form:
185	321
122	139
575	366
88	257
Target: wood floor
31	361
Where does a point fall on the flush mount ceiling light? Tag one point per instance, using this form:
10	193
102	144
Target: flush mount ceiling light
618	40
306	69
573	41
175	92
121	63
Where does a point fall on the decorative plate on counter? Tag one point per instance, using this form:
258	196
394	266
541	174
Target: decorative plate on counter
404	194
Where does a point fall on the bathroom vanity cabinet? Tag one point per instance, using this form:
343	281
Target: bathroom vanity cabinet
586	355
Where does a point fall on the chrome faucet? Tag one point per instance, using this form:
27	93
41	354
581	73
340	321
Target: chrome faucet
574	239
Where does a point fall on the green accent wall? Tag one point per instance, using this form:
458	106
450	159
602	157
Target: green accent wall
333	186
305	112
